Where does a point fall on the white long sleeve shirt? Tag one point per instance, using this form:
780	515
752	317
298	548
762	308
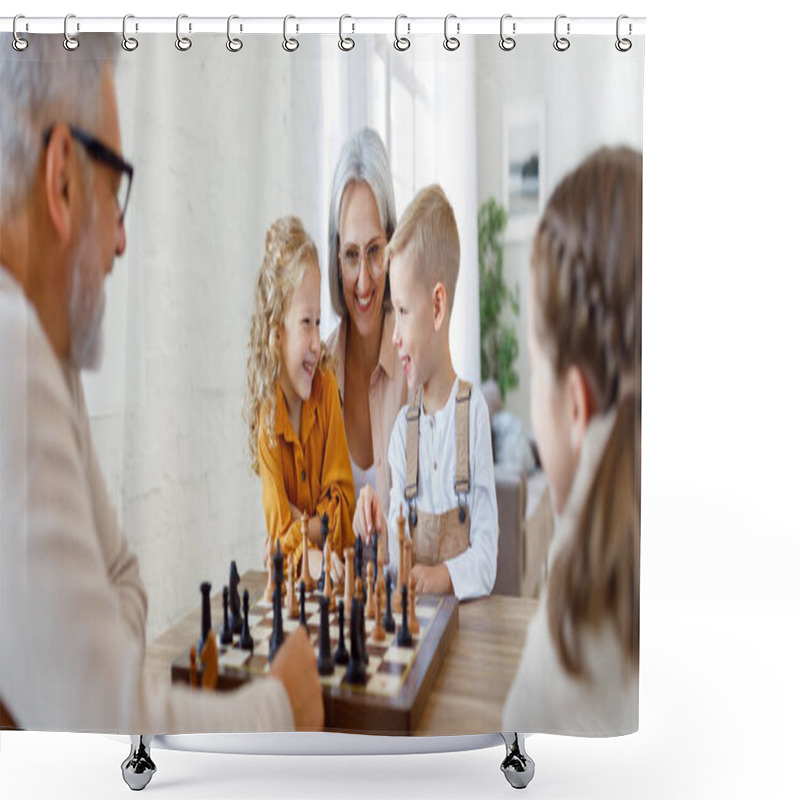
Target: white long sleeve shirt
72	604
472	572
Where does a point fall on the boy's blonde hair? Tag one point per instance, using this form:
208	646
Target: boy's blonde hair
428	232
289	252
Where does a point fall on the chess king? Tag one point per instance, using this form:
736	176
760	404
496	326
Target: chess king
74	606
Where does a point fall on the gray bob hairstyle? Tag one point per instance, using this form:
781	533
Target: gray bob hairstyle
363	158
43	85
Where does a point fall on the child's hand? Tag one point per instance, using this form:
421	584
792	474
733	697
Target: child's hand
431	580
369	514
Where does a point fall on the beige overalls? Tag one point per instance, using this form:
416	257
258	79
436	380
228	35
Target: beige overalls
436	538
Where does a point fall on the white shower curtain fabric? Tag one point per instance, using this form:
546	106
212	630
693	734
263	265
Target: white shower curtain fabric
223	144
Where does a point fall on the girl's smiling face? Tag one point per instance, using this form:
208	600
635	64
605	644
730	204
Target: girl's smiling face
299	340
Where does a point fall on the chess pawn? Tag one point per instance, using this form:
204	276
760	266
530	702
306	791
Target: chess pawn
370	607
378	631
349	573
209	660
294	609
226	637
413	622
306	572
246	640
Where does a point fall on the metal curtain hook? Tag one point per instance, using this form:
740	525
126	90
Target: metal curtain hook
561	43
401	43
451	42
129	43
233	44
345	43
18	43
183	43
623	45
290	44
70	42
507	42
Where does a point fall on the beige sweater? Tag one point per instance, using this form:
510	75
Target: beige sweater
72	604
543	697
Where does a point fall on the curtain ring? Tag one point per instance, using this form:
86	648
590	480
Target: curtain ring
451	43
290	44
129	43
401	43
183	43
623	45
18	43
233	44
345	43
507	42
70	42
561	43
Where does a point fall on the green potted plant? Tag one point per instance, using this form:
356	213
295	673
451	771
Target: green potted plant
499	342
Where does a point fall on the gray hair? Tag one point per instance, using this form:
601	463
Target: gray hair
42	85
363	158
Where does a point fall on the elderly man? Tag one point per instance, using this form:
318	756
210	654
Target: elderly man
72	604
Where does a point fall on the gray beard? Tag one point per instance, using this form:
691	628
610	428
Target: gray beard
85	309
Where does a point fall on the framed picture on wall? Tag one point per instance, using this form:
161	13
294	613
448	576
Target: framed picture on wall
523	168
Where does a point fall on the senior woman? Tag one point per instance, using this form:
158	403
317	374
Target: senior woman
368	371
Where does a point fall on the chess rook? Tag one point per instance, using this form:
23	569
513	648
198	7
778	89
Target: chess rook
356	668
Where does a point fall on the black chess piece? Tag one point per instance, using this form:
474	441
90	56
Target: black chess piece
341	656
359	565
404	638
226	637
388	619
363	621
356	668
236	616
324	660
303	605
324	523
205	621
374	539
276	640
246	640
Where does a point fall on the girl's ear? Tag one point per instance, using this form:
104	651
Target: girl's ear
582	406
439	306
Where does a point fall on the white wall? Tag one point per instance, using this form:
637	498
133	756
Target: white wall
591	96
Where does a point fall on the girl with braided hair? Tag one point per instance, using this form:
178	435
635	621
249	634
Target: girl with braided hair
579	670
296	429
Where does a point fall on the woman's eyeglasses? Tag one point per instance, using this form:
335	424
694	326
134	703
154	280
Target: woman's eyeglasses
351	256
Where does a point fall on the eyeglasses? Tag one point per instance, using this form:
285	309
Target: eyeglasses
104	155
352	254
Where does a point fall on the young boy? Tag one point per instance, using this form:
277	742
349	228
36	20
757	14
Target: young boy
440	451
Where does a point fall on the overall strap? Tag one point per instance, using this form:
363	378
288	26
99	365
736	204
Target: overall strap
462	437
412	445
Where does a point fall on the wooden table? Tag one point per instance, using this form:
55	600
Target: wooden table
469	692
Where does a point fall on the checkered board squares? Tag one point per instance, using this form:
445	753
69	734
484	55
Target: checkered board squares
387	666
399	679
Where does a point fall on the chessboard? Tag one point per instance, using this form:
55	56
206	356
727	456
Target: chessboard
399	679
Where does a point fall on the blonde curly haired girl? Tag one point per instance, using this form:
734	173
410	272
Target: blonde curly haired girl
296	431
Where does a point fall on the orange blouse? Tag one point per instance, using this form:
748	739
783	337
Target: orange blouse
313	472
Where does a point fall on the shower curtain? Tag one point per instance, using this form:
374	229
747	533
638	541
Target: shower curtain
223	143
